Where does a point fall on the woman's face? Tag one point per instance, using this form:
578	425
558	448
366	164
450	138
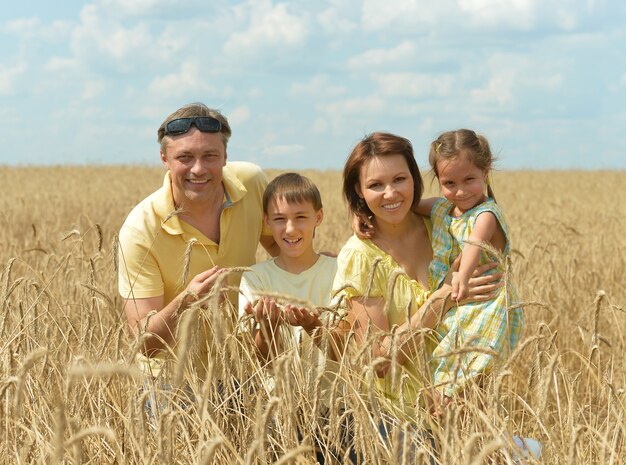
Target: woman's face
386	185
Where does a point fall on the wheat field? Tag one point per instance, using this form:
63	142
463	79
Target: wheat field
69	393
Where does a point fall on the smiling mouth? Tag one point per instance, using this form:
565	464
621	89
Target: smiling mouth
197	181
292	241
392	206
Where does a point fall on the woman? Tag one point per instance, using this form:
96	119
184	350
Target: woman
383	280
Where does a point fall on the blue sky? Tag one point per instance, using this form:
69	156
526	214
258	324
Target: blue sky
301	81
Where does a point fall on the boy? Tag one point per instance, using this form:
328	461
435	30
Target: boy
299	279
282	294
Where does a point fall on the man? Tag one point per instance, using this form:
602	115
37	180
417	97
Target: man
174	245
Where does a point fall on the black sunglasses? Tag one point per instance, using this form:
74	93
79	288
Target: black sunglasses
182	125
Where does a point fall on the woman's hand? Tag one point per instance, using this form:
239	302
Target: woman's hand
482	287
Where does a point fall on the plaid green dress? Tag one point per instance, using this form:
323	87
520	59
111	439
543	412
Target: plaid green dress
493	328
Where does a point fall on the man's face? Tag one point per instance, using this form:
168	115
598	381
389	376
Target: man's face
195	160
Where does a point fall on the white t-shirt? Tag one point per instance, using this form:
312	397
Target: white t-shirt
313	286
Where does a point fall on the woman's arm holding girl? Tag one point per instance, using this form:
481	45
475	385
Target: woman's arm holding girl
425	206
368	313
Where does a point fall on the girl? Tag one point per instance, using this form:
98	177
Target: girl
465	217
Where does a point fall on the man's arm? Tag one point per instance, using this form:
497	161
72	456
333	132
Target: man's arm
270	245
150	315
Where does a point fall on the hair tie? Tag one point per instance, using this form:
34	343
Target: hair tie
438	147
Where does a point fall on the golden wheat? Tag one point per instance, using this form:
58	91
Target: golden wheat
69	392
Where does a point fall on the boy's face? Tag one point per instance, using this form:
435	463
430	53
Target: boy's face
293	226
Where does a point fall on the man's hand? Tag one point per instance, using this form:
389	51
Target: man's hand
202	283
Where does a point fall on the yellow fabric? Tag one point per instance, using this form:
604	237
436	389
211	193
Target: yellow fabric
364	270
312	286
153	242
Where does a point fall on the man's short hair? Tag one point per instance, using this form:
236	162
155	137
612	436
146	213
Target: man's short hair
293	188
192	110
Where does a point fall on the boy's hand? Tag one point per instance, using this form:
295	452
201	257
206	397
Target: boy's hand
300	316
265	311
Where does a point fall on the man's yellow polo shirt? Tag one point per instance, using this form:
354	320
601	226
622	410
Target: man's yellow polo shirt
153	242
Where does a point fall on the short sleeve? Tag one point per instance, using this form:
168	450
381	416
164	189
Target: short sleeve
256	179
491	207
261	185
441	206
139	275
358	275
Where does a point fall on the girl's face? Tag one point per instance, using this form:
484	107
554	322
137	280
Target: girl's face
462	182
386	185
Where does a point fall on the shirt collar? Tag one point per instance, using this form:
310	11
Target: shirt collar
164	206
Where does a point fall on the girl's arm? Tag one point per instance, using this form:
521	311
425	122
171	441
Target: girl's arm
425	206
484	230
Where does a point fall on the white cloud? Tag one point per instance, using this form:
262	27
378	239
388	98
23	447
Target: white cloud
276	151
414	84
395	13
239	115
188	78
61	64
8	76
139	7
320	85
28	28
510	77
320	125
22	27
349	113
379	57
92	90
518	14
499	89
354	106
448	17
109	37
336	20
270	27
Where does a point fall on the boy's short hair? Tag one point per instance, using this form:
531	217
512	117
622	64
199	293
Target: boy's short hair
293	188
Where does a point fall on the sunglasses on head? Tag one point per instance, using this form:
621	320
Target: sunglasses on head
182	125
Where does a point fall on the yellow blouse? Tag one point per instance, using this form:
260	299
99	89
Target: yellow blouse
364	270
